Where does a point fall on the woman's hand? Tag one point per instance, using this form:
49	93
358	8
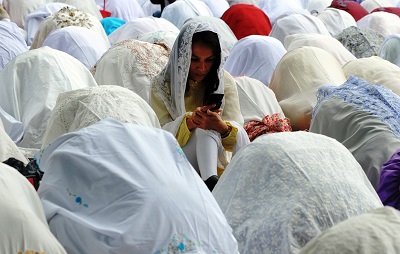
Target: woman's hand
206	119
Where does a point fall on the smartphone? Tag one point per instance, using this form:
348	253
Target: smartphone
215	98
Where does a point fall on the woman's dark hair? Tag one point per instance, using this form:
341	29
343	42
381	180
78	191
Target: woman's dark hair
211	80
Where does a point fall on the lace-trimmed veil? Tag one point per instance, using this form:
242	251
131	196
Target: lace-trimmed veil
177	69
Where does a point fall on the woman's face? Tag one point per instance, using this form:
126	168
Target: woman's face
202	60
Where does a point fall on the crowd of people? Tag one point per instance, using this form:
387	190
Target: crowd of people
200	126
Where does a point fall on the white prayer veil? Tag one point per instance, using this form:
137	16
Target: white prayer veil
127	10
8	148
284	189
132	64
23	217
275	10
165	38
326	42
88	6
30	96
255	56
84	44
382	22
12	42
371	5
336	20
217	7
19	9
390	49
117	187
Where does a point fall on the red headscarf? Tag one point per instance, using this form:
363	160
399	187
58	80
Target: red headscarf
247	19
394	10
354	8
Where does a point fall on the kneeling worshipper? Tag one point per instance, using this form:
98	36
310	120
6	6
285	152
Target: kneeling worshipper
165	39
118	187
260	109
364	118
65	17
180	97
83	44
80	108
297	24
12	42
388	189
19	9
375	70
87	6
352	7
29	96
24	226
132	64
384	23
361	42
297	78
336	20
390	49
376	231
255	56
282	190
279	9
371	5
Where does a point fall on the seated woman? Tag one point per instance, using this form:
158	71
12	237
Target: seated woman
364	118
390	49
179	97
336	20
118	187
284	189
373	232
12	42
22	217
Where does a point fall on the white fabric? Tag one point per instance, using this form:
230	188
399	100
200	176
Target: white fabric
336	20
297	78
256	99
13	128
80	108
67	17
382	22
148	7
127	10
8	148
22	216
88	6
165	38
228	38
375	70
278	9
36	17
371	5
317	6
374	232
84	44
297	24
217	7
12	42
135	28
252	2
128	189
131	64
19	9
31	95
326	42
390	49
285	188
255	56
182	10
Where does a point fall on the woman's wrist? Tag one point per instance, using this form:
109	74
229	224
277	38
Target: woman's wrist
226	132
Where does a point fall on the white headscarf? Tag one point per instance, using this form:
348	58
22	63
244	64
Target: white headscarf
390	49
180	11
67	17
137	27
12	42
83	44
19	9
165	38
128	188
382	22
371	5
36	17
13	128
131	64
147	6
284	189
375	231
255	56
30	96
8	148
297	24
80	108
127	10
297	78
375	70
336	20
22	215
278	9
256	99
88	6
217	7
326	42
